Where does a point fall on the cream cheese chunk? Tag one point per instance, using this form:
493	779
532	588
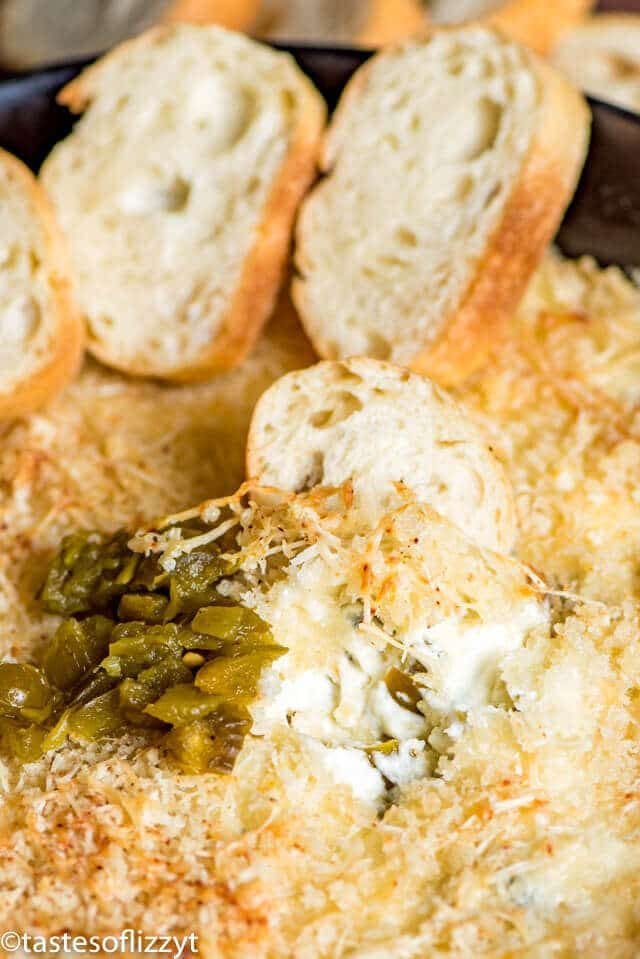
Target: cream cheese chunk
463	663
330	687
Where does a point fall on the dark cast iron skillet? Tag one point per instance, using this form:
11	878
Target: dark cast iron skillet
603	220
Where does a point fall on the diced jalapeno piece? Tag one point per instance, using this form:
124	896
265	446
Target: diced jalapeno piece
150	608
128	638
211	744
142	647
127	567
136	694
146	665
96	719
75	648
168	672
236	677
182	704
24	693
232	624
134	697
149	574
21	742
385	748
94	685
403	689
88	573
192	582
193	640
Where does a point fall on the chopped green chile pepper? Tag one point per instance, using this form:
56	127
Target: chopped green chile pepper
24	693
168	672
88	574
130	638
232	624
211	744
137	646
23	742
403	689
192	583
183	704
200	641
75	649
94	720
386	748
149	608
149	575
137	694
236	677
140	647
134	695
94	685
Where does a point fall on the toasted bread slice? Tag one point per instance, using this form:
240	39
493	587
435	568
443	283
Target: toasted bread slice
34	32
385	430
177	189
41	333
538	25
449	165
602	57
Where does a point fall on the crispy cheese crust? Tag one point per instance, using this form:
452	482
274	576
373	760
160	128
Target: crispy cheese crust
527	840
560	402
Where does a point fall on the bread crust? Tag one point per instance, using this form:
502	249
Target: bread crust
264	267
68	337
531	216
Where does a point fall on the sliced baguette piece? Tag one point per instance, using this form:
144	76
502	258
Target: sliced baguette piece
177	189
602	57
36	32
41	333
537	24
449	164
382	428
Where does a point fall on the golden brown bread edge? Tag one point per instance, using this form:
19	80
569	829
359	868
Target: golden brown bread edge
69	339
264	268
530	219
